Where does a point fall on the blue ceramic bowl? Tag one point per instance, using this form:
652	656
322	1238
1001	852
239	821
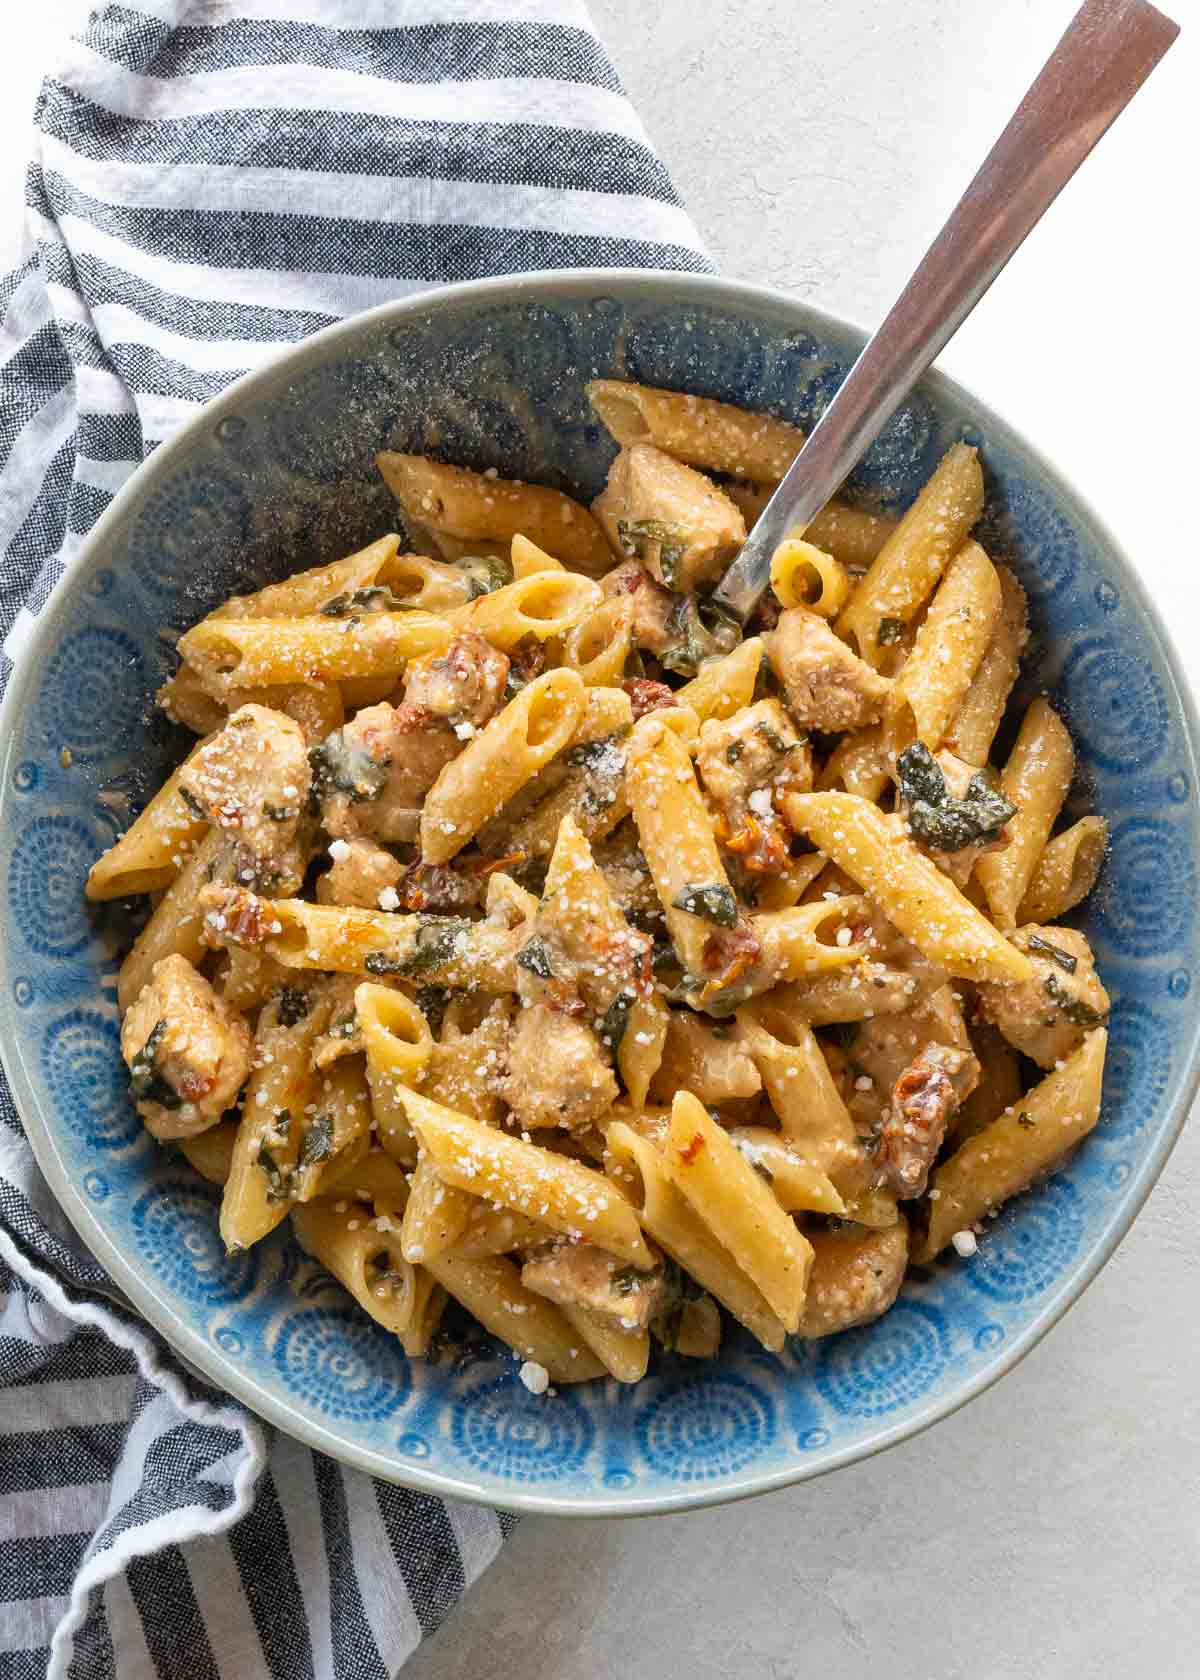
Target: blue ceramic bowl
278	475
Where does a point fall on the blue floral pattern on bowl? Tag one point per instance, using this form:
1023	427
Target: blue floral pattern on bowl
279	474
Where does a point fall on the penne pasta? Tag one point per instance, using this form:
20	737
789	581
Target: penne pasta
469	505
152	851
1066	872
231	654
542	605
1036	779
495	763
491	1290
726	1193
913	893
803	575
598	646
723	686
948	650
367	1261
561	1193
435	1215
713	435
908	566
1010	1152
176	925
307	592
982	708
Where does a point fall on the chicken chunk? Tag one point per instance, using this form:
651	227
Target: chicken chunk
924	1099
1048	1018
743	761
462	685
652	605
556	1075
363	874
584	1276
372	776
251	781
856	1275
683	529
883	1047
188	1053
827	687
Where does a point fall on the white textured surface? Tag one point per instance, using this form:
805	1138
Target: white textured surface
1051	1529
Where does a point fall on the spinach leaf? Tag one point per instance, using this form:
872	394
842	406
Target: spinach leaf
1064	959
1073	1009
640	538
713	903
146	1083
615	1020
318	1140
338	768
293	1006
939	819
376	597
535	959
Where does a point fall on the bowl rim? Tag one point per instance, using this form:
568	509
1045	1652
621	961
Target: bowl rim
219	1368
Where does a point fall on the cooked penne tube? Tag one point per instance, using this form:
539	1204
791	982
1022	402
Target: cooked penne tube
852	535
638	1167
911	890
432	585
528	558
722	686
373	1177
909	564
858	764
703	1057
676	834
307	592
803	575
713	435
211	1152
231	654
805	939
491	1290
340	939
368	1263
1027	1140
505	755
470	505
270	1134
463	1069
339	1133
796	1184
399	1044
542	605
598	646
982	708
1066	872
249	978
435	1216
1036	779
848	994
564	1194
186	700
625	1354
608	960
950	645
176	925
153	849
498	1231
726	1193
815	1122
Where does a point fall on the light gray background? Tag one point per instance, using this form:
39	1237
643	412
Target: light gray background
1050	1529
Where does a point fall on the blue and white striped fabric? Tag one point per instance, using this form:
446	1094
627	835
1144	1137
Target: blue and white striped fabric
212	179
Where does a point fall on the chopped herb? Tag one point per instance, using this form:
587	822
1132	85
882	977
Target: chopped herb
734	751
601	754
293	1006
437	941
776	742
535	959
1026	1120
281	1125
318	1140
485	573
147	1084
593	802
375	597
338	768
891	630
281	813
616	1019
938	818
1064	959
193	804
762	1170
646	539
279	1179
714	903
1074	1010
663	955
432	1002
698	630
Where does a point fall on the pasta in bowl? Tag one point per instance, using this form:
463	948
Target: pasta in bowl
555	981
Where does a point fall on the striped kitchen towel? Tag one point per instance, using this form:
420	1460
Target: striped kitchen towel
212	179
